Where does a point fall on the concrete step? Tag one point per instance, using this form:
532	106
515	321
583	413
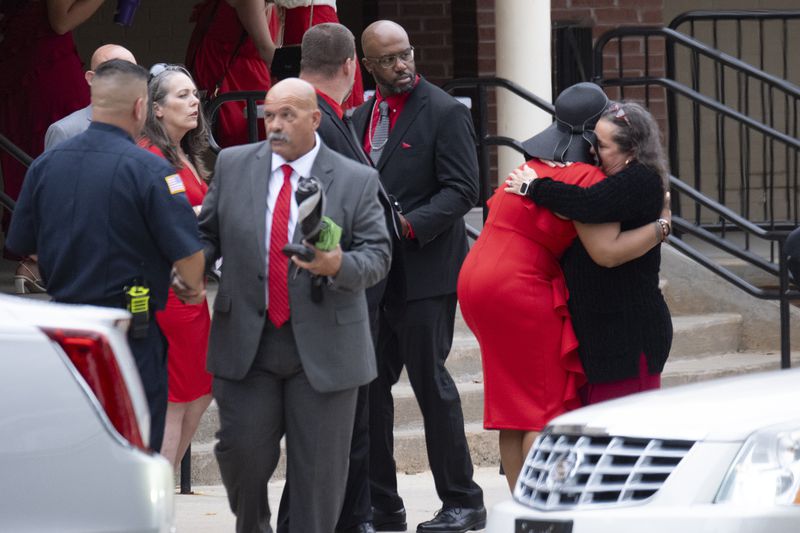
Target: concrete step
410	451
691	370
695	335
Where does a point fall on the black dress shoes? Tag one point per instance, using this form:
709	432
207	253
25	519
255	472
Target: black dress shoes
391	521
455	520
365	527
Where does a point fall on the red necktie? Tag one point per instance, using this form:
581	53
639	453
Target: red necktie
278	263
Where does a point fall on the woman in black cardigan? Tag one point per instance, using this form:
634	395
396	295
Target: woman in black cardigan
620	317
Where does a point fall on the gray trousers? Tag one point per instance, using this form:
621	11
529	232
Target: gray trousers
274	399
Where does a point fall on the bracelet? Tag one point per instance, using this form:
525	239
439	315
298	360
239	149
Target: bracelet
663	224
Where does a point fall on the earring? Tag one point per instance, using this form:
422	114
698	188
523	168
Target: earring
628	161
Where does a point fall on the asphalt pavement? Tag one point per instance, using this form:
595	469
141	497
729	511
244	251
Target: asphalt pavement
207	511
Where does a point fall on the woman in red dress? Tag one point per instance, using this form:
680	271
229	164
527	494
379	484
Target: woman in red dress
176	130
512	291
230	50
297	16
42	82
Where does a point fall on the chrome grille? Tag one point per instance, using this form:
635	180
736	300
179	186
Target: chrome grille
568	471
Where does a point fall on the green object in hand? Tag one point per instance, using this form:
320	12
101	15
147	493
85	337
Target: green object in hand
330	235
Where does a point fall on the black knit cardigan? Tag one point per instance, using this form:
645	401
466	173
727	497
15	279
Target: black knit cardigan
618	313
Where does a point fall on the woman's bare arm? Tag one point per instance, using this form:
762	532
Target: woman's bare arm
253	16
66	15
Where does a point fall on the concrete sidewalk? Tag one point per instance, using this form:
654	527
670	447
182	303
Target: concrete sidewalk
207	510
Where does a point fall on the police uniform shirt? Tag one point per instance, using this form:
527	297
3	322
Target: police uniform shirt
101	212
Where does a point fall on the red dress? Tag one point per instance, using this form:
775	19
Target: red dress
514	299
42	82
296	22
209	57
186	326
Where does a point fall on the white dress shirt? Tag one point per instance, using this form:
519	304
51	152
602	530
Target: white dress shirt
300	167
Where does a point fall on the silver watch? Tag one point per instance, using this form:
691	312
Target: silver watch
523	189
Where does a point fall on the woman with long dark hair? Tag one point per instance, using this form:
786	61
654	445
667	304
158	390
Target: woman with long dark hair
177	131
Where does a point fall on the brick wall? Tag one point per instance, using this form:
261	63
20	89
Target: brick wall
430	29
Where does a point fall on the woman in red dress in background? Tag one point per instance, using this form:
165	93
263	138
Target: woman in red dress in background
298	16
231	46
176	130
42	82
512	291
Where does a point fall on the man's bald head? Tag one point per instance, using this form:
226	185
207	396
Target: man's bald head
378	34
119	95
107	52
291	117
389	57
299	93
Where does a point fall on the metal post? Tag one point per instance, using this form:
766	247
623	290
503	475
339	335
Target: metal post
786	348
186	472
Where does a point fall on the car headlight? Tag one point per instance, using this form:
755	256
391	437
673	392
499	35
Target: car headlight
767	469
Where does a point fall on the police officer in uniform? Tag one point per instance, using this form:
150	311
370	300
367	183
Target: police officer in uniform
109	220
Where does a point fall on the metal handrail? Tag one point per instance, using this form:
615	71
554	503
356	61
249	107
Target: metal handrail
675	37
735	14
250	98
6	202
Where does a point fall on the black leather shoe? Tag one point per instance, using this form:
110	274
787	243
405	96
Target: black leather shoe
455	520
365	527
391	521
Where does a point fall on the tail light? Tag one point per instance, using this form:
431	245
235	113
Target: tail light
94	359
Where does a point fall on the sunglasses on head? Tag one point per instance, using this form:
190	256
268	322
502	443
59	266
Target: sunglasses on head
159	68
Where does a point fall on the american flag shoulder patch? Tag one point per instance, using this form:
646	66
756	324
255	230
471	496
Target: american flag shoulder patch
175	184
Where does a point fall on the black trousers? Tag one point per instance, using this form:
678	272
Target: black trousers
420	338
150	353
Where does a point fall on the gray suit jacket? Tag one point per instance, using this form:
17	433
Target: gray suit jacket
68	127
333	337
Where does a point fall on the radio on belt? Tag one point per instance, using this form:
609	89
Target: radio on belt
137	301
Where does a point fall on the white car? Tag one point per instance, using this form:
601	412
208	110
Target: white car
73	425
720	456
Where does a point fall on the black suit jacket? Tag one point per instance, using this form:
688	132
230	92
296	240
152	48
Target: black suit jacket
429	164
338	134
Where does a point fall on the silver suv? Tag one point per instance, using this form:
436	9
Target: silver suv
73	423
719	456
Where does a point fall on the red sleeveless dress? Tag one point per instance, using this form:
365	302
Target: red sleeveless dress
209	57
42	81
185	326
514	299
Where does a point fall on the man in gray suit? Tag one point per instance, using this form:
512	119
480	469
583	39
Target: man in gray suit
79	121
282	363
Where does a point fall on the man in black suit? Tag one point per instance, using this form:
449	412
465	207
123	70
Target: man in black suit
421	140
329	64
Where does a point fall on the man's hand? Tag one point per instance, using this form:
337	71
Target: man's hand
405	227
324	263
185	293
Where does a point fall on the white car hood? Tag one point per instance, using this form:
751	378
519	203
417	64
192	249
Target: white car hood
720	410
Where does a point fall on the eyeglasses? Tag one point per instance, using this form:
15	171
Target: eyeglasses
389	61
160	68
619	112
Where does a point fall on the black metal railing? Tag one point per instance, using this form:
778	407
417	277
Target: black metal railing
480	87
6	202
250	110
766	39
743	155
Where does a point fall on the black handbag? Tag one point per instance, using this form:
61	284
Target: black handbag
286	61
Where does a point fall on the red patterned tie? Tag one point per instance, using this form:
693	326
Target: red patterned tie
278	263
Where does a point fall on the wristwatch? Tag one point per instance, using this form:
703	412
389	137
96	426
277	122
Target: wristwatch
523	189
